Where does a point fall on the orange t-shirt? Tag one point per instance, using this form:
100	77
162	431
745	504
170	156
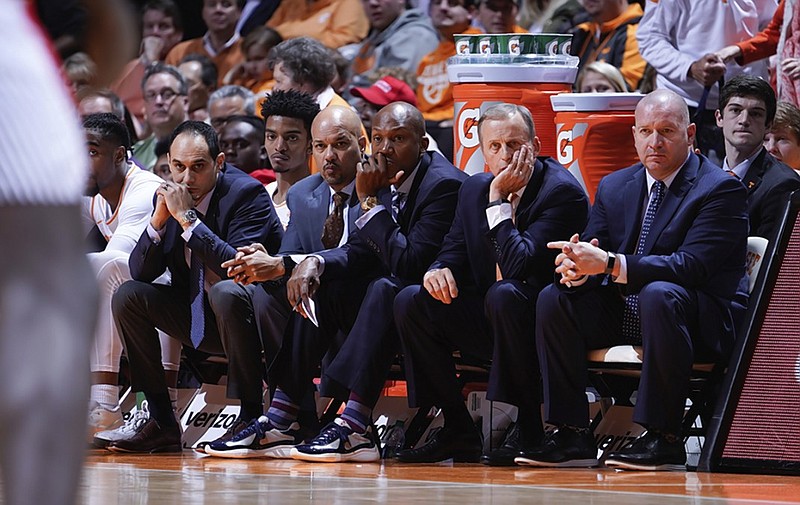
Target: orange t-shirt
335	23
434	90
225	60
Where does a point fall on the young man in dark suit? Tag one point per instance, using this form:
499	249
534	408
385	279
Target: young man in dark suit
666	241
747	108
199	220
479	295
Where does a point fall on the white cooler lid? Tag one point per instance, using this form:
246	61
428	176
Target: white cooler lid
511	73
588	102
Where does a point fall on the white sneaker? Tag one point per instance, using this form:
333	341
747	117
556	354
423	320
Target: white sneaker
337	442
258	440
130	428
102	419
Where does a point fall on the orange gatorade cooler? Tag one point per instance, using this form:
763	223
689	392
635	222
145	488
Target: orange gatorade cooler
528	81
593	134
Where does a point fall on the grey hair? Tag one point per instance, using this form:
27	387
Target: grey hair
505	111
233	90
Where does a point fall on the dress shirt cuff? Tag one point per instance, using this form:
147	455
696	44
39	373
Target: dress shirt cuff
187	233
318	256
496	214
622	278
155	235
364	219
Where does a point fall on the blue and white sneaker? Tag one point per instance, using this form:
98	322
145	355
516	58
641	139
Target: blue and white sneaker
337	442
259	440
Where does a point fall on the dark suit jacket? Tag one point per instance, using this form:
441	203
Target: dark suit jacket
309	201
769	184
553	206
240	213
698	239
404	249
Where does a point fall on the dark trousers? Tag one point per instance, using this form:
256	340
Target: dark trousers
139	308
232	305
499	326
570	323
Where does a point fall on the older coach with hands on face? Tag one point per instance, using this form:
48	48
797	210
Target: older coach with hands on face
479	296
666	241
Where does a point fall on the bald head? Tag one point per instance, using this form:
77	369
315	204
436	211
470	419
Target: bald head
663	134
337	145
343	117
668	101
398	134
402	113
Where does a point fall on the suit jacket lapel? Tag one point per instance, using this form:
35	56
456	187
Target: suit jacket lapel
755	173
635	191
529	195
413	195
319	201
672	200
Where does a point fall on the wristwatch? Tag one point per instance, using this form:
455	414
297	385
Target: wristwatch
188	217
369	203
610	263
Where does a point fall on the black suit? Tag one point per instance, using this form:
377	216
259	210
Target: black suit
361	279
239	213
769	183
490	319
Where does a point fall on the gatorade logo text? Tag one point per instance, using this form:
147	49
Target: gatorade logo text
565	150
468	127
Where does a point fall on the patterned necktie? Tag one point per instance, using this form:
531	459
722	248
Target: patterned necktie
196	299
398	199
631	324
333	228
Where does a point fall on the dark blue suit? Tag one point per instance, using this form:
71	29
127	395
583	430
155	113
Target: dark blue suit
769	184
691	285
240	213
309	204
361	279
489	319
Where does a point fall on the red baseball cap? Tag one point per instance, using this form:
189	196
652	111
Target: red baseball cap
385	91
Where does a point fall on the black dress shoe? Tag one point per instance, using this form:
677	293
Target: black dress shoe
237	426
150	438
513	445
652	452
564	447
447	443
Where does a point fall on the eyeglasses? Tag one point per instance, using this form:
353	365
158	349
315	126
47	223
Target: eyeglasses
166	94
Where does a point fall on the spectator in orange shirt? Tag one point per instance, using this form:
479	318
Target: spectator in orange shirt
200	74
162	29
335	23
221	42
254	72
434	90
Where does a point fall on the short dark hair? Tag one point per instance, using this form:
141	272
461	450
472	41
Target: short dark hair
306	59
254	121
168	8
749	86
109	127
158	67
208	70
200	129
291	103
162	147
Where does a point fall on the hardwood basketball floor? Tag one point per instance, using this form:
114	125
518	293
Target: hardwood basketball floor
113	479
